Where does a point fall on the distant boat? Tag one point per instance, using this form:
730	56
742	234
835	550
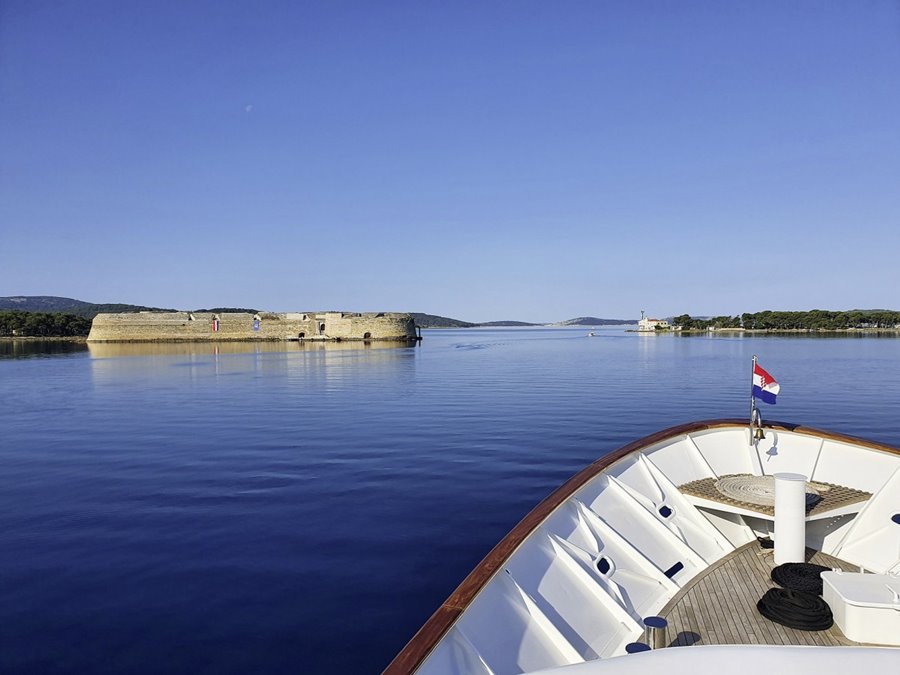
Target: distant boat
667	541
592	334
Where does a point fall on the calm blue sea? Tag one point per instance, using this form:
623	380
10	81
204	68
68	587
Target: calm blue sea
305	509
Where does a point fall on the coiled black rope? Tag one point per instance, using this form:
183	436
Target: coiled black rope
800	577
795	609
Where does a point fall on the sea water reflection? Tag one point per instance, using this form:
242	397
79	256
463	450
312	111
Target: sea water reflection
105	350
241	507
24	349
314	366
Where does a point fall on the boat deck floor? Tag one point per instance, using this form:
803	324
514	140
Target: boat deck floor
719	606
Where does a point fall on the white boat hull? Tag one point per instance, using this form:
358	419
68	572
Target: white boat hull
572	583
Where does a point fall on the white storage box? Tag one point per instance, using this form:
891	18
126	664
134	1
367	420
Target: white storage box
866	607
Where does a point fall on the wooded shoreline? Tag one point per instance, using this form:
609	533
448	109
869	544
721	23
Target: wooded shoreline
787	331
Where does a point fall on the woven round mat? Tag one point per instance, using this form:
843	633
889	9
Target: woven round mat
758	490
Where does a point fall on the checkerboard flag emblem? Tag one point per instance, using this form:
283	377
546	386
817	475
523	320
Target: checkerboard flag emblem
765	387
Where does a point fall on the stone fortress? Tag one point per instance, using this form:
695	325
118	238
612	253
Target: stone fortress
263	326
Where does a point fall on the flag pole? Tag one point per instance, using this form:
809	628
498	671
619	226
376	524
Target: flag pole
753	411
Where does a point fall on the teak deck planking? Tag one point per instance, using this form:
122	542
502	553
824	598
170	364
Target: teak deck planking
718	607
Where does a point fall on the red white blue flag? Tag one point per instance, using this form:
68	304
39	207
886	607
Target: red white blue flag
764	385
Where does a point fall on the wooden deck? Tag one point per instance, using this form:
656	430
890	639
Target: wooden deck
719	606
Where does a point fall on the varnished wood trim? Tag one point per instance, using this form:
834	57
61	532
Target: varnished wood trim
412	655
424	641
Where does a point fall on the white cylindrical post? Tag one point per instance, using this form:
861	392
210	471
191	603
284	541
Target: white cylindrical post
790	518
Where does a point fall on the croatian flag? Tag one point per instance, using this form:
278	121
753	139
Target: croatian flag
764	385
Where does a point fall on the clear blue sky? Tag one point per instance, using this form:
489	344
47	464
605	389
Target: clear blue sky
481	160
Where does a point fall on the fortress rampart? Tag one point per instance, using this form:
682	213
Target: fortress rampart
225	326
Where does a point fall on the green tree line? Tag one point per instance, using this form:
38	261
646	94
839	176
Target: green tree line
42	324
816	319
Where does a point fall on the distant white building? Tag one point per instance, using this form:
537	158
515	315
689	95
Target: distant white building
647	325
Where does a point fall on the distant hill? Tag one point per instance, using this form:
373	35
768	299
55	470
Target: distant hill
594	321
434	321
88	310
40	303
52	303
508	323
227	310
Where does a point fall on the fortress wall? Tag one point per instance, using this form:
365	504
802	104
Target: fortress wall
145	326
339	327
380	327
184	326
159	326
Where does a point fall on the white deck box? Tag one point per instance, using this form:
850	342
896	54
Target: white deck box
866	607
